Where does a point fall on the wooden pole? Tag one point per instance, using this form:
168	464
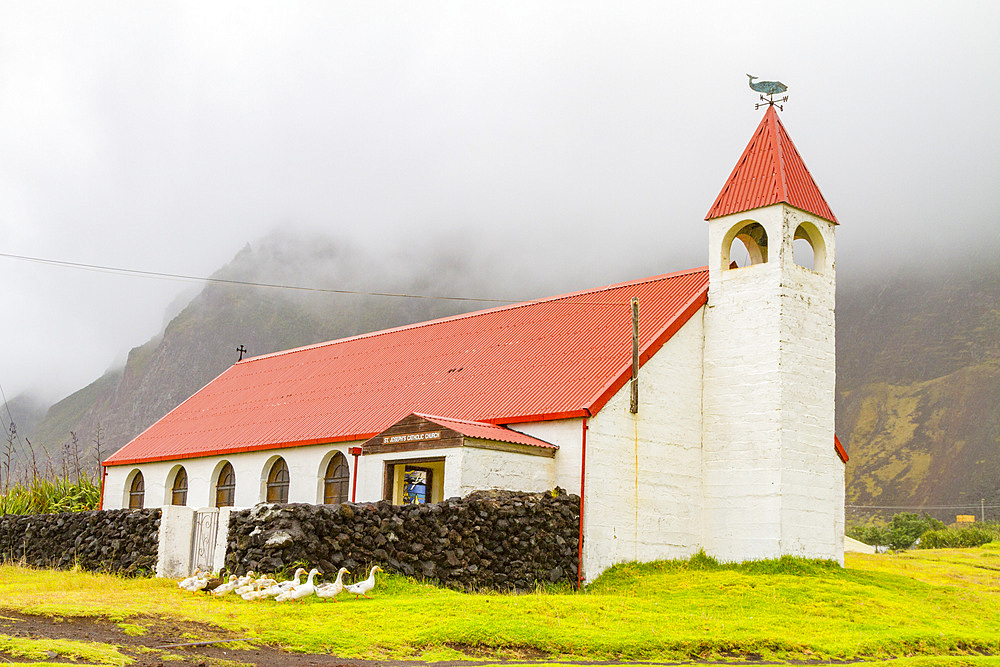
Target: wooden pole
634	404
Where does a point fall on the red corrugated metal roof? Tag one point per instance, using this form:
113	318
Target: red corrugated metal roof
549	359
770	171
485	431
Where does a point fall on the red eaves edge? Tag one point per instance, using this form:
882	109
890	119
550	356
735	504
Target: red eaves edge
841	452
755	208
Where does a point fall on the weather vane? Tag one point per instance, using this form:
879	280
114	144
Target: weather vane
769	88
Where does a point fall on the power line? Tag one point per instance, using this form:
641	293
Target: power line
224	281
115	270
920	507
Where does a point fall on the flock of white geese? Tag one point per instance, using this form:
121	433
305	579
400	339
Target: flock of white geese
252	587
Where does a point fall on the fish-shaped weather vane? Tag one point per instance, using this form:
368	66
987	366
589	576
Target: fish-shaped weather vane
769	88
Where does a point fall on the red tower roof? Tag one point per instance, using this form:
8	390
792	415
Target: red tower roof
555	358
770	171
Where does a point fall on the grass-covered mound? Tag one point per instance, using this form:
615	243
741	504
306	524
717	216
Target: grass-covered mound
943	605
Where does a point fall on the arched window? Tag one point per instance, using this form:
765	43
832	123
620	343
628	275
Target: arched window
225	488
808	247
337	480
136	492
746	245
179	490
277	482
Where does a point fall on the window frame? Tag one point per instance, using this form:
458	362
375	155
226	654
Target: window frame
278	481
137	490
229	489
331	480
176	489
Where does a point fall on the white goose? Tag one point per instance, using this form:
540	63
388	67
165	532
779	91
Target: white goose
362	587
246	583
333	589
300	592
283	586
184	583
228	587
247	578
258	590
199	583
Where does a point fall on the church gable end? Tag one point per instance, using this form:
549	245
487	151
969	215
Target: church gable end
411	434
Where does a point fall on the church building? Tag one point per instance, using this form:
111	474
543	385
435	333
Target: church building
720	436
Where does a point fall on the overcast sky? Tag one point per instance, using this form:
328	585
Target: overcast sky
556	136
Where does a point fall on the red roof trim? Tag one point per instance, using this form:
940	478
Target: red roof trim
240	450
542	417
841	452
625	374
489	431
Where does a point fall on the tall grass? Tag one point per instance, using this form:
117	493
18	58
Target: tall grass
49	496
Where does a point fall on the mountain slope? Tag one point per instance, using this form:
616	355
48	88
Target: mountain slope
919	390
200	342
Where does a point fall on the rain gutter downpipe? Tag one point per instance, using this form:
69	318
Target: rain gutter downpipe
104	476
355	452
583	479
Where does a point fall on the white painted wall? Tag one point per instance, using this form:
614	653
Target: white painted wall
567	434
173	555
491	469
306	467
773	482
643	495
853	545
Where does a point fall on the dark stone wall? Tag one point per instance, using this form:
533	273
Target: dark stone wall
501	540
119	541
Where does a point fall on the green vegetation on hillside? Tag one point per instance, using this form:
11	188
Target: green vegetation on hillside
915	604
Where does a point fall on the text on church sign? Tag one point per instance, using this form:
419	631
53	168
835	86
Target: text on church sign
411	437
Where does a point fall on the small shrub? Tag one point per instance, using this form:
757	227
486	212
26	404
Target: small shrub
960	538
903	530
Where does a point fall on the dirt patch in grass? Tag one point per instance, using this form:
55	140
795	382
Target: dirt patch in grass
509	653
146	649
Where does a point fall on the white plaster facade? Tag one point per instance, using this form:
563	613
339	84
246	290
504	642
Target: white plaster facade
773	484
643	489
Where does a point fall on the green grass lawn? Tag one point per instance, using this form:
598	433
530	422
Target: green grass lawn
918	608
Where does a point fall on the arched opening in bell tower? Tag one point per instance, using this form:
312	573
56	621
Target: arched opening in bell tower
745	244
808	247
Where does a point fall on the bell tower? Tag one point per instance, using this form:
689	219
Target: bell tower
773	481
